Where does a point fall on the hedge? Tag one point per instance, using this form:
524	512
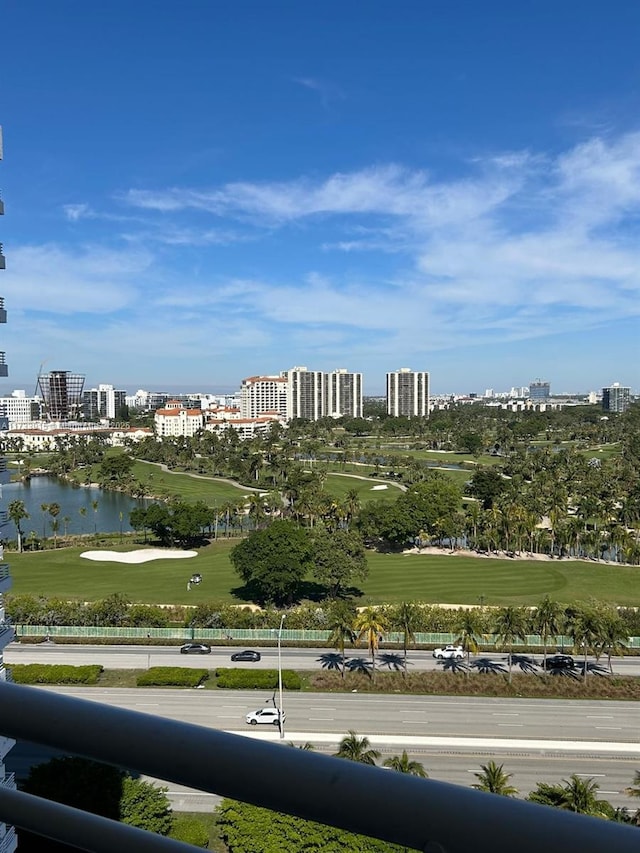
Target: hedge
172	676
190	830
258	679
44	673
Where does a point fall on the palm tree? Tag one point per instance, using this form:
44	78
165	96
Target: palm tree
614	635
341	621
17	512
585	627
547	623
45	510
493	780
54	511
406	618
634	791
581	795
355	748
509	627
403	764
83	512
372	624
468	627
94	507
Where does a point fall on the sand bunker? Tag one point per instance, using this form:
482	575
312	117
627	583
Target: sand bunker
378	488
142	556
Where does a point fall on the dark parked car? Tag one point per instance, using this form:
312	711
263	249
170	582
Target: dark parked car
247	655
560	662
195	649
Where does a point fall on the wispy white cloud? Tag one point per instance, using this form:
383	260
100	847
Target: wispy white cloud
523	245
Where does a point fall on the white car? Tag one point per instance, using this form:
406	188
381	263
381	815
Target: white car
265	716
449	652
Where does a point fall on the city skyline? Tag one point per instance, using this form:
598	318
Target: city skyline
199	190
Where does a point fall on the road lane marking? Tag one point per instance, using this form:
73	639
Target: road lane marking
147	704
321	720
505	715
510	725
600	717
612	728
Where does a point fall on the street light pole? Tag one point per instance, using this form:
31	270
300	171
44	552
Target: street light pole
280	711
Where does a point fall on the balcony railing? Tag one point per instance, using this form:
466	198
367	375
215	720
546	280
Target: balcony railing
9	781
420	814
9	841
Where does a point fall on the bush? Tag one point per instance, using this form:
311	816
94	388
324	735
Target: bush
172	676
43	673
261	679
190	830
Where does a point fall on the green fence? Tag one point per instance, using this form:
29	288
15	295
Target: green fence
253	635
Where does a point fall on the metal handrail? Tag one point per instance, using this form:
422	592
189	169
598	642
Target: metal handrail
422	814
81	829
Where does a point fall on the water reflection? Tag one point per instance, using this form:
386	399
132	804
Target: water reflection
83	509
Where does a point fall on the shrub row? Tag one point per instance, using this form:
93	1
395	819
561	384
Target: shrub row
259	679
172	676
475	684
43	673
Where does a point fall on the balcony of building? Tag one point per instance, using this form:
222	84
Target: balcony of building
2	259
5	578
3	311
419	814
6	633
8	841
4	367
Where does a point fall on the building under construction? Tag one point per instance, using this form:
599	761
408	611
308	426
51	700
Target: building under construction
61	392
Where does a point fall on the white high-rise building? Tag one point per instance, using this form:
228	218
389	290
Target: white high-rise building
616	398
408	393
263	394
343	394
103	402
305	394
8	840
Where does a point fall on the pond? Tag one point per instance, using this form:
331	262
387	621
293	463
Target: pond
84	509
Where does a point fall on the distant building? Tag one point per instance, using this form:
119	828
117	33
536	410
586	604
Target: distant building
408	393
343	394
61	391
260	394
105	401
175	420
19	409
539	391
616	398
305	392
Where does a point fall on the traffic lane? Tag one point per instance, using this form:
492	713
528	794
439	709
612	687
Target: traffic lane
612	775
141	657
442	716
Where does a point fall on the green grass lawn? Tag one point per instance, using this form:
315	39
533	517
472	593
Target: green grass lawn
392	578
188	487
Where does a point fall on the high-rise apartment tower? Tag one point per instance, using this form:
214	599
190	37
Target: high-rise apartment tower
408	393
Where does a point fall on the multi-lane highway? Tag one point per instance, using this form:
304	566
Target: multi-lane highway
142	657
535	739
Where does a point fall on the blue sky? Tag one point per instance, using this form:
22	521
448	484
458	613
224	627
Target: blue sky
200	191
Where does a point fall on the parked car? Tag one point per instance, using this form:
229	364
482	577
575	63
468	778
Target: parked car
195	649
247	655
449	652
560	661
265	716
